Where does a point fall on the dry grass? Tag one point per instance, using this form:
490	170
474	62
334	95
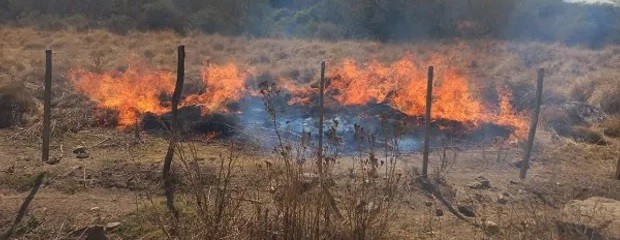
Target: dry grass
599	89
16	105
611	127
241	195
571	72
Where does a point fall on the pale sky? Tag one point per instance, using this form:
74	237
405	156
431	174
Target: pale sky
614	2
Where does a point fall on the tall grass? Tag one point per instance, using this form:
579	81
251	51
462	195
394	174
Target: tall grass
285	197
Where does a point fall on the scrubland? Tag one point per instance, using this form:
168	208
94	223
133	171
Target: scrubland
233	190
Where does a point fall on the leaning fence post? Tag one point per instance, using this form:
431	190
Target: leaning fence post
525	164
321	117
47	101
427	120
176	98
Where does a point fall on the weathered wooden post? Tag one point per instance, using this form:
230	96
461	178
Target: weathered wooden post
525	164
137	130
427	120
321	117
47	111
618	165
176	98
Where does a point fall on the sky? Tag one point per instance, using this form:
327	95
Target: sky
614	2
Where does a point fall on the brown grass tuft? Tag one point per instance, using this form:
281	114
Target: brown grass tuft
586	134
611	127
601	89
15	104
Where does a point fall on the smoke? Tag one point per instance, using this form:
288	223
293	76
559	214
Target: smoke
397	21
571	21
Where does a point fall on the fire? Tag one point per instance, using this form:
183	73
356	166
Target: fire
210	136
402	85
224	84
508	116
131	93
141	89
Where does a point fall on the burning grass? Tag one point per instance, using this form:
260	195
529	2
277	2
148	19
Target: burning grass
486	83
141	90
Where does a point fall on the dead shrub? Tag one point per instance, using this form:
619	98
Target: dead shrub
601	89
15	104
611	127
586	134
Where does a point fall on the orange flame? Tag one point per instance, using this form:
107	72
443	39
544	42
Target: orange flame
508	116
210	136
402	85
132	92
140	89
224	84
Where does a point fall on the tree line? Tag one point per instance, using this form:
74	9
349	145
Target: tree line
385	20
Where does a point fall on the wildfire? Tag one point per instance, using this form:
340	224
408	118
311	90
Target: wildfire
402	85
141	89
224	84
209	136
508	116
131	93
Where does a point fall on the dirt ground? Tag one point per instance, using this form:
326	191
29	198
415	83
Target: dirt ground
121	175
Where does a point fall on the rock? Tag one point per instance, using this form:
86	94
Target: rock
468	211
53	160
371	207
10	169
480	183
112	225
90	233
428	203
81	152
95	209
593	218
79	149
438	212
504	198
491	227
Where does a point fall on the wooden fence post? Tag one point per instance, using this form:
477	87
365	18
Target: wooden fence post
321	117
427	120
47	111
618	164
176	98
525	164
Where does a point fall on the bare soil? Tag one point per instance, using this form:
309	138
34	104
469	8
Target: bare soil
122	175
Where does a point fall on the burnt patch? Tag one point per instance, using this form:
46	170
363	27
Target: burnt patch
192	122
